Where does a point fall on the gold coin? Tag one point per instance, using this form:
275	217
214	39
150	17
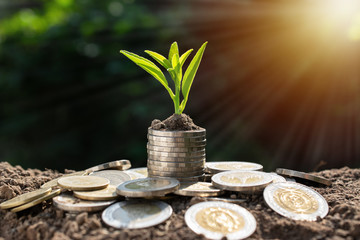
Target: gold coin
118	164
175	174
83	183
177	144
176	164
176	159
216	167
50	195
175	149
25	198
178	155
199	189
115	177
108	193
53	183
176	139
192	133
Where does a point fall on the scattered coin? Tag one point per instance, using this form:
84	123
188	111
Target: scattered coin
108	193
68	202
247	182
216	167
142	170
148	187
83	183
177	144
174	149
134	214
118	164
54	182
177	155
134	175
115	177
302	175
195	200
199	189
217	220
37	201
176	139
25	198
295	201
277	178
192	133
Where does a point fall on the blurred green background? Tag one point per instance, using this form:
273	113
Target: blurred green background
274	87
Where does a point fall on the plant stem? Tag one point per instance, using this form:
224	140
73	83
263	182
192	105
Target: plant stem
177	101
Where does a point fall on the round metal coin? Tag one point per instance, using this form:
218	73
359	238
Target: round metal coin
295	201
118	164
242	181
198	189
174	149
192	133
177	164
185	140
69	203
175	174
37	201
277	178
108	193
54	182
25	198
142	170
216	167
83	183
216	220
178	155
176	159
134	214
148	187
302	175
178	144
115	177
174	169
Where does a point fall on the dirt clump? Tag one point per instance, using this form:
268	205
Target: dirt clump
176	122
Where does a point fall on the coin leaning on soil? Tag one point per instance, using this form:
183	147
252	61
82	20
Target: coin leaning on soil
83	183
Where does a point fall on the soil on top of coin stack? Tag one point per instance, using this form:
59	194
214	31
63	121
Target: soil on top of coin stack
176	122
45	221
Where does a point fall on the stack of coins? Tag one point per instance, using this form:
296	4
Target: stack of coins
177	154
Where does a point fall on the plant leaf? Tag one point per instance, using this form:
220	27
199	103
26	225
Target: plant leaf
185	56
159	58
149	67
190	74
177	67
174	49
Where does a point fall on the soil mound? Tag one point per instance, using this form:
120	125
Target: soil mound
175	122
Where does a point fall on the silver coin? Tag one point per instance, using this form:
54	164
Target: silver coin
177	164
178	155
176	159
305	176
148	187
295	201
277	178
175	174
192	133
134	175
176	139
199	189
118	164
141	170
115	177
133	214
216	167
247	182
185	179
68	202
179	144
216	220
174	149
174	169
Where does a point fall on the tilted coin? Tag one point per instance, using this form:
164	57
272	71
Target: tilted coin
174	169
118	164
302	175
53	183
216	220
25	198
176	159
192	133
200	163
108	193
178	155
115	177
200	189
134	214
83	183
147	187
37	201
176	139
196	200
174	149
141	170
277	178
242	181
68	202
295	201
177	144
174	174
134	175
216	167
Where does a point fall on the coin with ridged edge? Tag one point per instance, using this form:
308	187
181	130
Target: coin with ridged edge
148	187
108	193
177	164
83	183
175	174
216	167
25	198
185	179
115	177
302	175
248	182
37	201
133	214
192	133
174	149
68	202
176	139
179	155
176	159
179	144
122	164
295	201
216	220
54	182
134	175
198	189
174	169
141	170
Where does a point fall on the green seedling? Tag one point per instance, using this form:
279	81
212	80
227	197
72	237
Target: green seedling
174	66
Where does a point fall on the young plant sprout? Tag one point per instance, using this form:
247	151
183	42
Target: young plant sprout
174	66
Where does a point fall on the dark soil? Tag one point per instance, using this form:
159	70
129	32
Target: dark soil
47	222
175	122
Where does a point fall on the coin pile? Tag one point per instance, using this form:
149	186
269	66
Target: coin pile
177	154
